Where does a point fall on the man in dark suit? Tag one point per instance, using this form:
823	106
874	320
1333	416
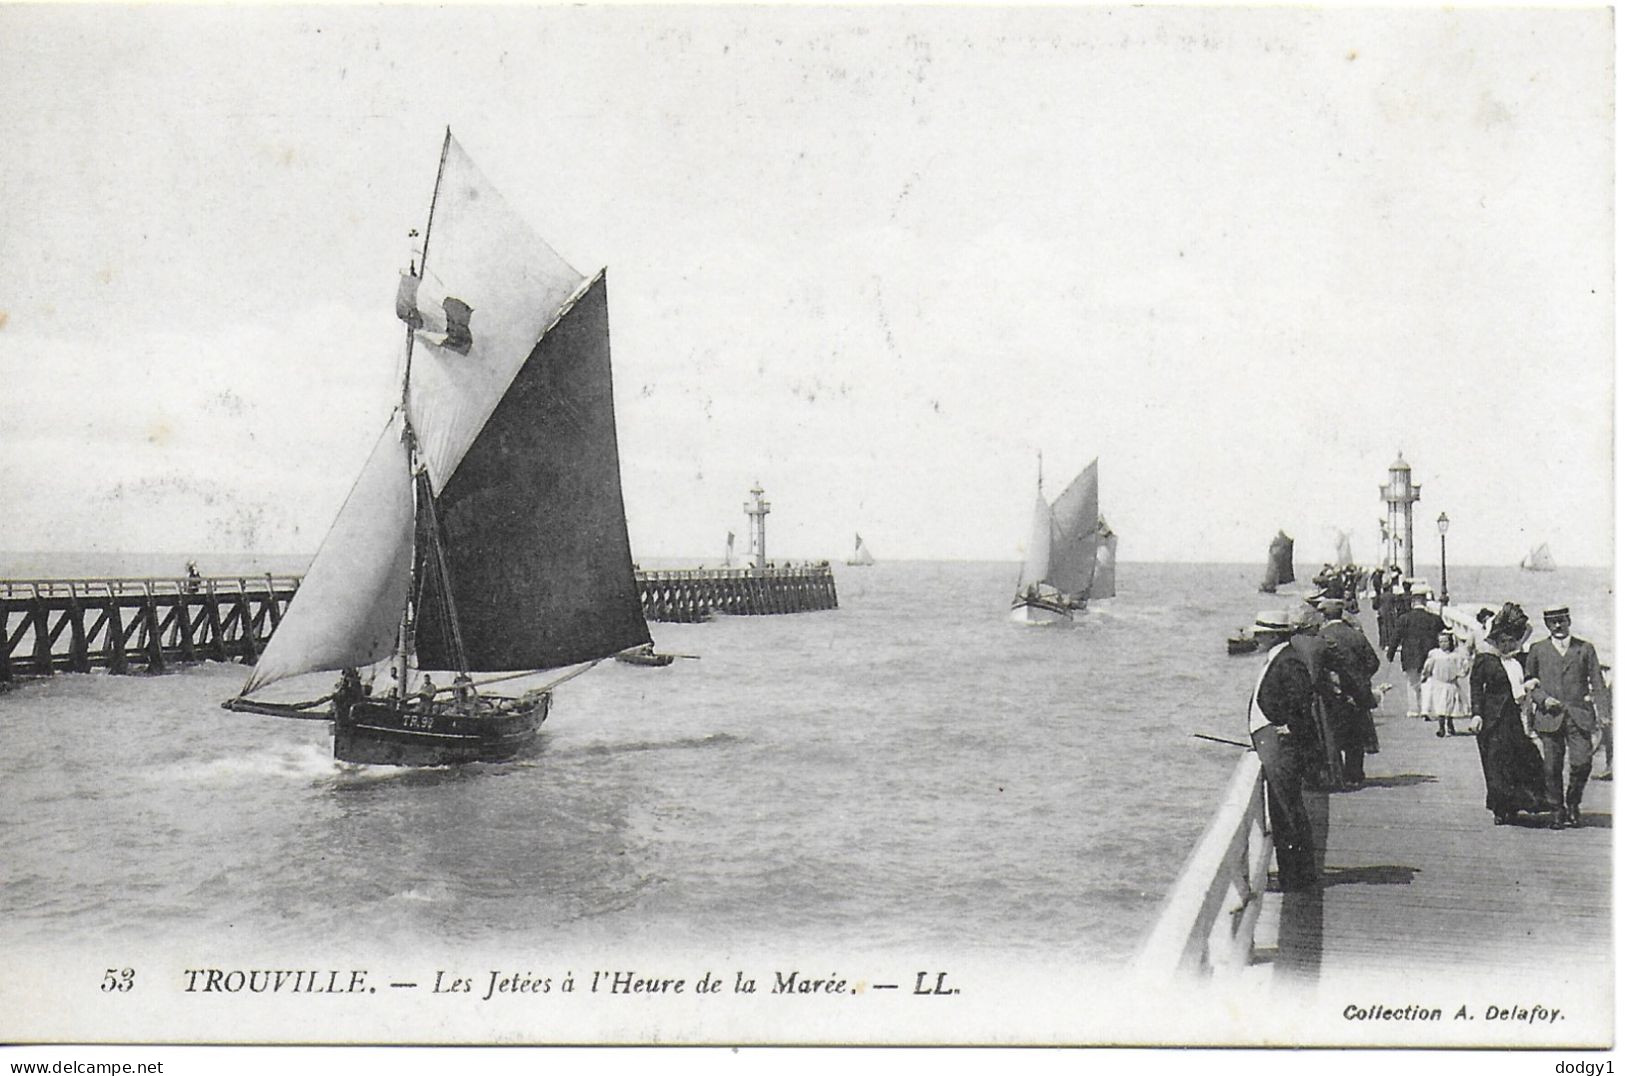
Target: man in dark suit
1571	704
1415	633
1349	701
1282	724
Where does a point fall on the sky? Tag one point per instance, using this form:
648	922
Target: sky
877	259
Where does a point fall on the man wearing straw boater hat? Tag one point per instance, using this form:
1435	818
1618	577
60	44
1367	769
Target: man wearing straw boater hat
1281	722
1572	706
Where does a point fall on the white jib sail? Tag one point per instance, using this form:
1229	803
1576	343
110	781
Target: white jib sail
1036	567
348	608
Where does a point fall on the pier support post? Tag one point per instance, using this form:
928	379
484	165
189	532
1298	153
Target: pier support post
39	616
5	641
117	660
78	648
272	608
153	632
217	627
183	626
250	645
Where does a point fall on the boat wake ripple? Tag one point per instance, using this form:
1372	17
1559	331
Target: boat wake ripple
716	739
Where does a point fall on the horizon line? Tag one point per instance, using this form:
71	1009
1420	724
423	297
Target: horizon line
706	561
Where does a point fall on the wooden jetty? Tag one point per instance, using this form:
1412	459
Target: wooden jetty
146	625
1414	872
136	625
1417	886
698	594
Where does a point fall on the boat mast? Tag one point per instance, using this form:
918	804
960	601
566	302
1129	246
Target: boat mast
416	465
421	269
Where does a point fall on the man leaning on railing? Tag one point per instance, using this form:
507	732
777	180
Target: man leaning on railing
1281	721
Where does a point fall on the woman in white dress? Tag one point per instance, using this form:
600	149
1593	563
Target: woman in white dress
1444	684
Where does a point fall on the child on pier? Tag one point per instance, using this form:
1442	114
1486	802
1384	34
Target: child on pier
1444	684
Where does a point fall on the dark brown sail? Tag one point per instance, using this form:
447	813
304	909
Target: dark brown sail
1278	566
532	521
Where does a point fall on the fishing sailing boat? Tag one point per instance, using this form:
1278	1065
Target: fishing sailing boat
1345	551
486	533
728	556
1278	566
861	557
1063	555
1539	559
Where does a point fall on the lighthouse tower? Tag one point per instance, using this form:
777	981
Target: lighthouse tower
757	509
1399	494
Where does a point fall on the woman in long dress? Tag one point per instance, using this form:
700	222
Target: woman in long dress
1444	684
1513	776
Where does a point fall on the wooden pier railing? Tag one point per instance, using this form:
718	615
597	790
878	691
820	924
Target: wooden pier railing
695	595
1206	926
136	625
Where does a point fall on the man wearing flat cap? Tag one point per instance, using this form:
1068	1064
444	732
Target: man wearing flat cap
1282	724
1572	705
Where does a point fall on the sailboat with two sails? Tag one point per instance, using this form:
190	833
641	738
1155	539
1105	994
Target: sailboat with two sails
486	532
861	557
1539	559
1071	555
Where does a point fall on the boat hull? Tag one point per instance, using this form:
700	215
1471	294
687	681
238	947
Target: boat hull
1040	613
654	660
389	732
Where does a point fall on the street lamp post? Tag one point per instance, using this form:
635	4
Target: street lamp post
1444	577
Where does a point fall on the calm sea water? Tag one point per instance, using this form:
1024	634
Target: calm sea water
910	771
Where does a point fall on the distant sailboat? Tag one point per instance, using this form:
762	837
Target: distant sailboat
1539	559
861	557
1278	568
1064	554
1345	552
728	557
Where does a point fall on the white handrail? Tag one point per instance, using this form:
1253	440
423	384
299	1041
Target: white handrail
1207	920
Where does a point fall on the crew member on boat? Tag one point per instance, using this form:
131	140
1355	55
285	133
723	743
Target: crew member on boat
348	692
1281	723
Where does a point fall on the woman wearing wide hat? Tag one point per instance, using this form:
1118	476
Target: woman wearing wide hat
1514	777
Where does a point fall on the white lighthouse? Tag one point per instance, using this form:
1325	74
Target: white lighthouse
757	509
1400	494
